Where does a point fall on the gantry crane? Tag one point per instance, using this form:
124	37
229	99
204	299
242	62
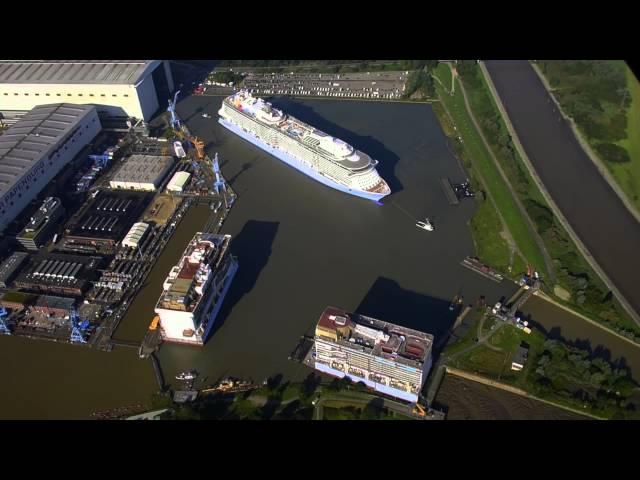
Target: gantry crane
175	123
77	327
4	329
219	183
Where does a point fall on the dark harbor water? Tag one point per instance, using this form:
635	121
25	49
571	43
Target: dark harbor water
302	246
47	380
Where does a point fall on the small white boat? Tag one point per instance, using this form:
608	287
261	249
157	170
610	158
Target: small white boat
191	375
426	225
177	146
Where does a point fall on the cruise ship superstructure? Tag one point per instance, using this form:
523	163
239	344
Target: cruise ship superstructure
195	289
326	159
388	358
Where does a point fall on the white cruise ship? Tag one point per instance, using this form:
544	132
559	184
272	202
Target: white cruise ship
324	158
195	289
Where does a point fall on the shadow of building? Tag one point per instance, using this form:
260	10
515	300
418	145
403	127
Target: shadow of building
369	145
252	248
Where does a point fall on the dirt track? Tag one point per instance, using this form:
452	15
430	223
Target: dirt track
469	400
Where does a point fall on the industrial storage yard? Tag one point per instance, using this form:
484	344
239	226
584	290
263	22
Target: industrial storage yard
372	85
114	198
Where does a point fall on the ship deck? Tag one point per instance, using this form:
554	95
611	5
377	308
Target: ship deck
289	123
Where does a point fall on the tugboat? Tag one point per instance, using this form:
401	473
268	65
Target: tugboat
189	375
426	225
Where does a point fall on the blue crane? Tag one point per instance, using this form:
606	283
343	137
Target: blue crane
101	160
219	183
77	327
4	329
175	123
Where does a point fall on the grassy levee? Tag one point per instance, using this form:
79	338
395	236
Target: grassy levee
481	160
589	294
600	109
628	174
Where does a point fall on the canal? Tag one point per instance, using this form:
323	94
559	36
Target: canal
598	216
561	324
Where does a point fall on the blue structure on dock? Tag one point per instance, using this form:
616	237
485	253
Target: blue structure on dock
4	329
77	327
175	123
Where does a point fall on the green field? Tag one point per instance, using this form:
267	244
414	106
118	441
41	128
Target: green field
483	163
628	174
596	94
491	247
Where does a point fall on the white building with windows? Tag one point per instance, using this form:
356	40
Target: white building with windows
118	88
386	357
36	148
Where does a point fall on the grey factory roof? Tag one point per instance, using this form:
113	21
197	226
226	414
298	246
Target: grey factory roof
123	72
33	136
10	265
142	169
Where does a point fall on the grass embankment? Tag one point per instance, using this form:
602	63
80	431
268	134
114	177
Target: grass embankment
554	372
603	99
589	295
490	245
628	174
485	174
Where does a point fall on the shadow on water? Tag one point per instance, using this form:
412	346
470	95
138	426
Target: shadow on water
252	247
599	351
388	301
369	145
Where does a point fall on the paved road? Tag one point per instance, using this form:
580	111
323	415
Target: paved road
594	211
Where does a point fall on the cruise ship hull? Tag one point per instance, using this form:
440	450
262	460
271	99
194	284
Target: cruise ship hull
297	164
378	387
233	268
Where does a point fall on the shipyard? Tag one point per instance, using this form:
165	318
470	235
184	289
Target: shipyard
140	244
82	244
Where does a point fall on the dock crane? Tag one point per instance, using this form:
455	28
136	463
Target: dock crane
199	146
4	329
77	327
101	160
219	183
175	123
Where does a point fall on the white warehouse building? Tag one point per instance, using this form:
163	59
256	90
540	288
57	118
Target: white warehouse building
36	148
178	181
133	238
118	88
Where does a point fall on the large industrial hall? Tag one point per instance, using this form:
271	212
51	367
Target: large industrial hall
118	88
36	148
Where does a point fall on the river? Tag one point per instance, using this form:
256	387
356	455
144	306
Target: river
597	215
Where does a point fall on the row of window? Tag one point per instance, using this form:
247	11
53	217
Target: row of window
68	94
66	147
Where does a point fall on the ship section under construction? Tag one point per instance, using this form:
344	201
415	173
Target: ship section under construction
388	358
326	159
195	289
